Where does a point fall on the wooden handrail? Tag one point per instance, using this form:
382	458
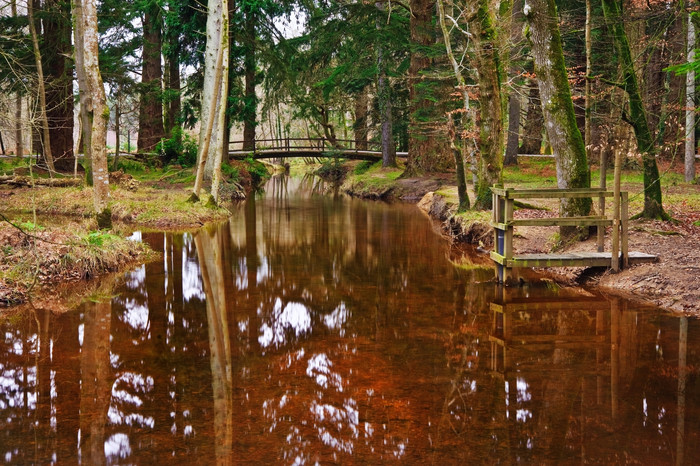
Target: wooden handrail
503	222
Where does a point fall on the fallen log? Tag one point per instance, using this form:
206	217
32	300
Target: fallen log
19	180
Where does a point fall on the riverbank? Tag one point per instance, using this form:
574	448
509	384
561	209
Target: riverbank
63	244
673	283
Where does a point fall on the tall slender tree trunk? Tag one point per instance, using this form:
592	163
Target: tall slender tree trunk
251	99
46	149
174	87
85	12
19	143
211	136
151	129
589	72
514	101
454	133
384	97
557	107
360	124
84	96
637	117
490	106
690	103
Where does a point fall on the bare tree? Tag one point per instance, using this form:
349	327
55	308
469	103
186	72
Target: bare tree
213	117
95	105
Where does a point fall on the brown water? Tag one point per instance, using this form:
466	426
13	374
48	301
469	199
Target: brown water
314	328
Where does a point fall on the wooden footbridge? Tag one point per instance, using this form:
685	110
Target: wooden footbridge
307	147
503	224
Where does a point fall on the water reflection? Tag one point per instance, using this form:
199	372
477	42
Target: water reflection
319	329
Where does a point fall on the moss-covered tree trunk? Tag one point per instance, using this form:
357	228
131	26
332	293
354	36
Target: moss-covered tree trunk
557	107
637	114
490	70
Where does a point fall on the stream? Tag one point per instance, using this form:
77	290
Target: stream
314	328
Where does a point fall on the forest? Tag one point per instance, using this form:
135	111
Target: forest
477	92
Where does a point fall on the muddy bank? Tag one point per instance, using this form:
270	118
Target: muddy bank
673	283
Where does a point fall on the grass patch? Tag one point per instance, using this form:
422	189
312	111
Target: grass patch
64	252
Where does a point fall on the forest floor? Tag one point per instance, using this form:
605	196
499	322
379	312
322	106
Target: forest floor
49	237
673	283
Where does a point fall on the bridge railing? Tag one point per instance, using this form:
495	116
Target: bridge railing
302	144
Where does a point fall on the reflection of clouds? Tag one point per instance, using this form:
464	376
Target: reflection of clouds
345	417
136	278
13	388
135	315
117	446
523	392
126	394
294	316
135	236
191	279
264	271
337	319
319	368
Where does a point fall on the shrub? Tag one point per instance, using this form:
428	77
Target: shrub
180	148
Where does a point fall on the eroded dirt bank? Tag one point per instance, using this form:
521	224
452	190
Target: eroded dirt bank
672	283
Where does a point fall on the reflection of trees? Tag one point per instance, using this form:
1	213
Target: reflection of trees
210	249
335	331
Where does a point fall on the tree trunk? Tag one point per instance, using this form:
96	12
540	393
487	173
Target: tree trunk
46	149
589	72
557	107
456	151
384	97
55	51
690	104
427	144
490	107
84	96
117	132
98	112
151	106
514	101
173	82
251	99
534	123
19	144
637	118
360	125
211	135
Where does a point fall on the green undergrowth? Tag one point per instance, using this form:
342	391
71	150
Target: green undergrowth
372	182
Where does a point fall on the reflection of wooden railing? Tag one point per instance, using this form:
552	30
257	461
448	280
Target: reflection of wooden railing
503	224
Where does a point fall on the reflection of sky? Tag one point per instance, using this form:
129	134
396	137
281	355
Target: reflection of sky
294	316
337	319
319	368
117	447
191	277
